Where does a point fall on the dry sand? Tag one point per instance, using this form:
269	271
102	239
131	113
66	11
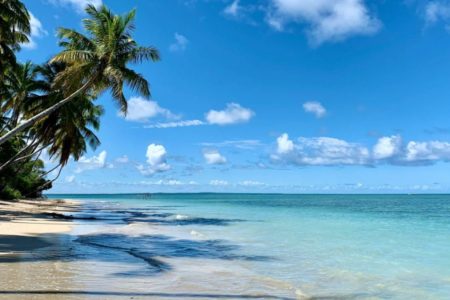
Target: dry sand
26	225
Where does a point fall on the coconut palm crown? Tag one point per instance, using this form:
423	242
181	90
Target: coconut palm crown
102	56
97	61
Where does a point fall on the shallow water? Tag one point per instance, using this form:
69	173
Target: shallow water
243	246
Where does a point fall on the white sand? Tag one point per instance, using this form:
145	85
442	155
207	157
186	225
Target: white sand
22	223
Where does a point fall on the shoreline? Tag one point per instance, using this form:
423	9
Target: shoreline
27	225
117	253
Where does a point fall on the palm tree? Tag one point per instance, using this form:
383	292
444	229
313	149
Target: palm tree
14	30
97	62
67	131
20	86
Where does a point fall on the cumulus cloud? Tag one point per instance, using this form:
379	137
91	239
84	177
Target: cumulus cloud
232	114
156	160
284	144
213	157
78	5
326	20
217	182
315	108
387	147
327	151
142	110
427	152
36	31
92	163
180	43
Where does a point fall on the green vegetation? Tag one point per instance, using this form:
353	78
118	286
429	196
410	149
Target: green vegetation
51	107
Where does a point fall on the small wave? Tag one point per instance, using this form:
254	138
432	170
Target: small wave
181	217
196	233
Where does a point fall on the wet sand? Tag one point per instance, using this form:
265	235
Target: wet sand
46	258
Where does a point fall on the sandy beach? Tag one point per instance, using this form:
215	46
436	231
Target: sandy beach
26	225
107	254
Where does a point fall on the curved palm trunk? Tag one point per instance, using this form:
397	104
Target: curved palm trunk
40	188
17	157
28	123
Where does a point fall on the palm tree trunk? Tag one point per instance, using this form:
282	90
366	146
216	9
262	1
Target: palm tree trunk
24	125
30	154
15	158
40	188
51	170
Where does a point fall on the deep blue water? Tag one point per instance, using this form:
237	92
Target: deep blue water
381	246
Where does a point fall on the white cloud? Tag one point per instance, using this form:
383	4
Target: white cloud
436	11
326	20
180	43
78	5
315	108
92	163
163	182
141	110
427	152
233	9
387	147
284	144
213	157
327	151
36	31
240	144
323	151
156	160
232	114
185	123
217	182
251	183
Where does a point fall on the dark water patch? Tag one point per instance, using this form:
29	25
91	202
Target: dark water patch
164	220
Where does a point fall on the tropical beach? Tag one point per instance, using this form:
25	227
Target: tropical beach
209	246
229	149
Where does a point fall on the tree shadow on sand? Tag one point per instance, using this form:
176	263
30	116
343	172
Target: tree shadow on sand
108	247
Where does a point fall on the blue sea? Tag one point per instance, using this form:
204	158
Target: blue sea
287	246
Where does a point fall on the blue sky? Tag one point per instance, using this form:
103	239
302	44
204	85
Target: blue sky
308	96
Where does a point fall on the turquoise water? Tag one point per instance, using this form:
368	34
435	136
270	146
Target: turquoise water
348	246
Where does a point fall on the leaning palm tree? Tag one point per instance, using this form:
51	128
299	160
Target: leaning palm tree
67	131
14	30
97	62
20	85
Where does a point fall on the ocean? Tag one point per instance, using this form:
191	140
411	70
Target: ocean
276	245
